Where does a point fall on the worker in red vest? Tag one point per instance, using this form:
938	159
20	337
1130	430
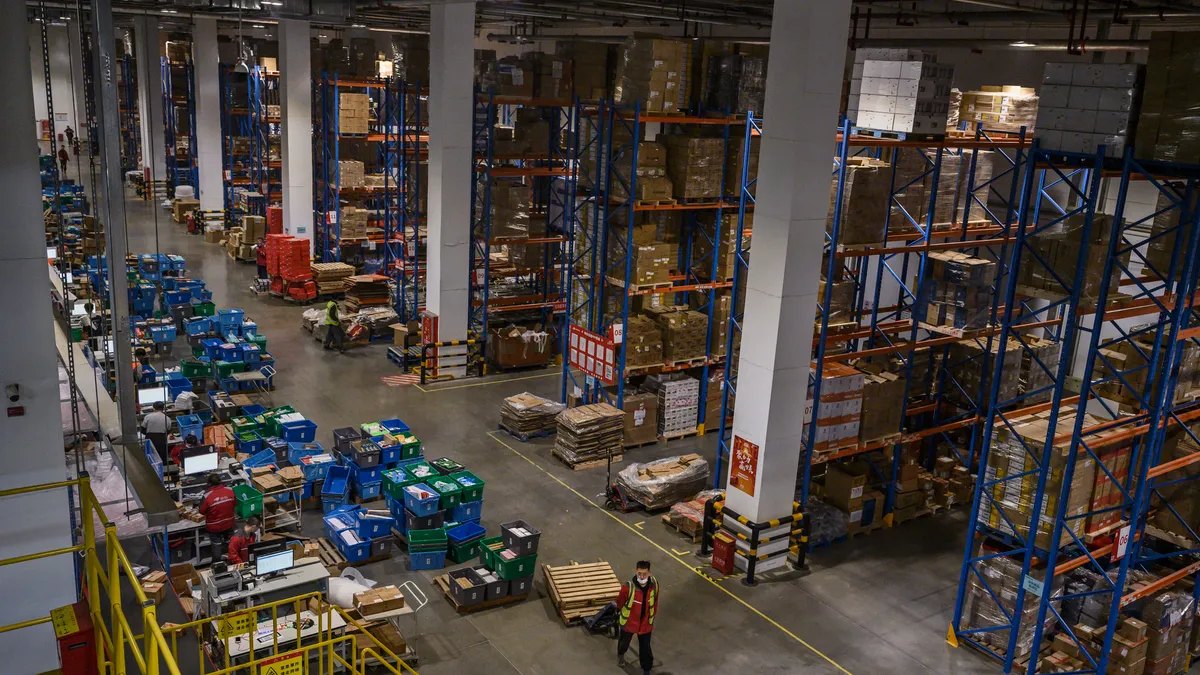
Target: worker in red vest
239	546
637	604
217	509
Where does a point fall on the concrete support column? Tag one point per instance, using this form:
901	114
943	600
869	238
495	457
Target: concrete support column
208	113
148	55
451	57
295	94
32	451
804	84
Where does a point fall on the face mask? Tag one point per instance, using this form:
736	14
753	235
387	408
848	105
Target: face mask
641	581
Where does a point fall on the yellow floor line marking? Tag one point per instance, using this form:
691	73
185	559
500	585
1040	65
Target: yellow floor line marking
679	552
639	524
484	384
697	570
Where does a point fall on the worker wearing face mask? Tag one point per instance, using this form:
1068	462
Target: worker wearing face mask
637	603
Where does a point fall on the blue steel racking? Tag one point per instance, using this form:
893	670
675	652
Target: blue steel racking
131	133
898	261
240	163
329	193
266	168
1151	407
405	257
599	263
181	167
548	172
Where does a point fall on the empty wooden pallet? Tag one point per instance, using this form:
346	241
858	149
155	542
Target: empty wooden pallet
580	591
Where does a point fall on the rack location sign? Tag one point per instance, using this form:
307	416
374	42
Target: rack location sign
593	354
1121	544
285	664
743	465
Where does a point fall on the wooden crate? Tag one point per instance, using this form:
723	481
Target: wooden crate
580	591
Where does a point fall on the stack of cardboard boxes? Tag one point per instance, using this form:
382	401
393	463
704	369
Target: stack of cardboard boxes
900	90
957	292
590	65
1000	108
695	166
683	332
736	83
881	413
351	174
997	581
1061	248
643	342
840	409
652	182
353	223
552	76
354	113
514	77
1165	226
1168	127
865	200
846	489
510	210
650	266
678	403
652	72
969	370
702	255
1035	377
1085	105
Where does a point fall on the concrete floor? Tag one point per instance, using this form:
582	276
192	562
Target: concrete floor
876	604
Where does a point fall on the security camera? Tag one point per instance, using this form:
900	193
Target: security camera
14	393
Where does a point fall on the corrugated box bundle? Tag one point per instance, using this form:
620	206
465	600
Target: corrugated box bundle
881	414
551	75
865	199
998	580
694	166
1000	108
684	333
1129	358
1085	105
663	482
377	180
969	370
641	417
1169	124
1010	456
593	166
651	264
733	167
726	245
957	290
900	90
736	83
838	415
1059	250
353	224
351	174
254	227
510	209
514	77
588	433
651	72
1106	495
354	113
643	342
1182	496
1163	230
590	67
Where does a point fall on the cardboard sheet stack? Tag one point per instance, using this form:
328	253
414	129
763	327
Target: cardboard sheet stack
661	483
529	415
366	289
331	277
589	433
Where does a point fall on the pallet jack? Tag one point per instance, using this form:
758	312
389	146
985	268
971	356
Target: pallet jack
615	498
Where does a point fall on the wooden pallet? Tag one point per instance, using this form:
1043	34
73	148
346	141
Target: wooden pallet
589	464
331	558
687	363
525	437
897	135
663	438
950	331
695	537
620	283
443	582
579	591
651	203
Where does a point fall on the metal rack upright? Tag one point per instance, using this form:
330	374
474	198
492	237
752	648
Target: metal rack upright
131	133
179	127
406	257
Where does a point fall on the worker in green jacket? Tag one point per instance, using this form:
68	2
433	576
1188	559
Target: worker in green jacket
333	325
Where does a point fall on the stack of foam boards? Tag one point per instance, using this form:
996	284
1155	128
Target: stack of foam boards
1085	105
900	90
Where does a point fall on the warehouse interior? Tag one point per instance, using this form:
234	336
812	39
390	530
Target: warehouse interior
460	336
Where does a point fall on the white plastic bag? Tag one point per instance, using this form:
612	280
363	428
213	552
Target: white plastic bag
342	589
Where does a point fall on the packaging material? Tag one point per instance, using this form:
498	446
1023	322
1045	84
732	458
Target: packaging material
1164	228
589	62
880	416
589	433
663	482
378	600
900	90
351	174
182	207
354	113
841	310
684	333
643	342
650	266
515	346
957	290
825	523
1000	108
510	211
980	610
529	415
1059	249
678	402
1085	105
552	75
651	71
695	166
838	415
865	200
514	77
641	414
736	83
1169	120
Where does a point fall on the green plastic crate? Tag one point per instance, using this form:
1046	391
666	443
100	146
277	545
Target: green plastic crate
488	548
243	424
226	368
76	334
193	368
204	309
370	429
427	540
446	466
198	351
469	493
421	471
450	491
461	553
394	482
249	501
260	340
515	568
410	446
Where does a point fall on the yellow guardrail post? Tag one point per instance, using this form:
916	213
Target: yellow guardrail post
90	564
114	599
149	624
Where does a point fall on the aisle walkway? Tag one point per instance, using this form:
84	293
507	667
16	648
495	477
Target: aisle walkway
878	604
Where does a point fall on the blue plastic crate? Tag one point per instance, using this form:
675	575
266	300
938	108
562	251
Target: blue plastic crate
465	532
230	317
297	451
330	504
466	511
360	475
307	491
337	483
301	431
176	297
394	425
422	506
190	425
212	348
249	328
396	508
371	527
253	410
252	447
230	353
197	325
260	458
163	333
202	295
251	353
367	491
388	455
354	552
424	560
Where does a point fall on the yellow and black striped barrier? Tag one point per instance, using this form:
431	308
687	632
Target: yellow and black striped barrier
428	361
715	513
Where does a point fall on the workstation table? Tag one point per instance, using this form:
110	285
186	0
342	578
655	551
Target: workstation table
307	576
279	636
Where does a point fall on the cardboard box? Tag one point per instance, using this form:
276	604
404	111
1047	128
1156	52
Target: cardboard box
378	600
845	485
155	591
182	575
182	207
641	415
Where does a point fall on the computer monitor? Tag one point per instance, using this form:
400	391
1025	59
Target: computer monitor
78	309
52	252
152	395
265	548
275	562
202	463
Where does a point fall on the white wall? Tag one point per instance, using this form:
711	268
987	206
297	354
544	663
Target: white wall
32	451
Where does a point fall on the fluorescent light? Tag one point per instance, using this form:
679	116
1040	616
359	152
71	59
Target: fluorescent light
169	11
358	25
270	2
1021	43
257	25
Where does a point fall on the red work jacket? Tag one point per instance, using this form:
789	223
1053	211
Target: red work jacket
217	509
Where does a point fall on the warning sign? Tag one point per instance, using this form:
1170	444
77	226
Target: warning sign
64	621
291	663
743	465
238	624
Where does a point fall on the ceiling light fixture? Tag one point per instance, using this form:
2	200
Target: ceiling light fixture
240	66
1021	43
170	11
269	2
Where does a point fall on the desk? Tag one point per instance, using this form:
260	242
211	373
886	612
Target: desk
307	576
238	646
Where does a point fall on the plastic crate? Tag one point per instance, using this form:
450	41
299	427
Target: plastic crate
230	317
298	451
337	483
466	511
446	466
249	501
495	589
396	508
464	552
421	471
367	491
206	308
260	458
330	504
388	454
195	367
370	429
364	453
520	585
426	560
394	425
406	463
260	340
472	486
427	540
430	522
354	552
381	546
369	527
343	437
251	354
488	548
302	431
249	328
360	475
250	443
278	446
421	505
198	325
522	545
212	348
473	594
176	297
163	333
450	491
410	445
225	369
315	471
465	532
230	352
517	567
394	482
190	425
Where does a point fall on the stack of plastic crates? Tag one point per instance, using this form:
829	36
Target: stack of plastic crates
359	535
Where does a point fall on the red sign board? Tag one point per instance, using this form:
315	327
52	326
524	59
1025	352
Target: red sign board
429	333
593	354
743	466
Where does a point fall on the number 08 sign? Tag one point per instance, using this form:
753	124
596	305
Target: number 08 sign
593	354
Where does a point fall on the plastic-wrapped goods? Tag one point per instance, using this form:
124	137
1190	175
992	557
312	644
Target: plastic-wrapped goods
952	115
956	292
733	167
651	71
589	61
825	523
1058	249
410	58
980	608
906	92
1169	124
487	74
1163	230
841	304
865	199
999	108
969	370
881	416
736	84
1085	105
695	166
510	210
663	482
1035	377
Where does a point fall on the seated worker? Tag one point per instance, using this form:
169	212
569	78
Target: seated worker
217	509
239	546
190	442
